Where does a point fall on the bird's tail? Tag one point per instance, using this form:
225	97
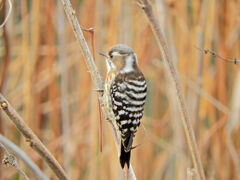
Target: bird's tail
124	156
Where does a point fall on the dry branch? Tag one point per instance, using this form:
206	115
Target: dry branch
22	155
214	54
35	143
92	68
11	160
173	73
8	14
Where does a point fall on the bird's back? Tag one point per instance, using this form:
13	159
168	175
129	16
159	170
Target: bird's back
128	93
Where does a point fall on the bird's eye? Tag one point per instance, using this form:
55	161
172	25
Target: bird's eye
111	56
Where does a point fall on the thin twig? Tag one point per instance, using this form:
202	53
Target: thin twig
19	153
91	31
93	71
100	126
35	143
173	73
8	14
11	160
214	54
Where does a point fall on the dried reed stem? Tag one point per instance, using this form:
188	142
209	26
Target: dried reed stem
35	143
92	68
8	14
171	69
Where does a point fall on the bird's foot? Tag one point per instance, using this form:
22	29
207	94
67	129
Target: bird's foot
99	90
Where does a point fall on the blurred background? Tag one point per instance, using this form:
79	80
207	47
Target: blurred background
45	78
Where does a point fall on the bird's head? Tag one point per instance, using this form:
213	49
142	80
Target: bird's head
121	58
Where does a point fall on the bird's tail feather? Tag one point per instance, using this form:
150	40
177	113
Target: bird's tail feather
124	157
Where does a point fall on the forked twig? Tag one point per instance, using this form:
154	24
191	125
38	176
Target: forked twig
174	77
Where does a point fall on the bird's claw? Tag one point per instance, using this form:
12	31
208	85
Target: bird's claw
133	147
99	90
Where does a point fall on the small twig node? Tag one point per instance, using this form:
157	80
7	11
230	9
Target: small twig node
4	105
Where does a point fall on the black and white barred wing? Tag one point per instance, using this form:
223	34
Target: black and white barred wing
128	98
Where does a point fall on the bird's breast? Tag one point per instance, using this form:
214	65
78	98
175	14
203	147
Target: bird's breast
107	97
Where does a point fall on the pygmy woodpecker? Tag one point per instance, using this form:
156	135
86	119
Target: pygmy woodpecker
125	91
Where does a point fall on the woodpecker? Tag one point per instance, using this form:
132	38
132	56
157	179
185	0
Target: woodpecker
125	90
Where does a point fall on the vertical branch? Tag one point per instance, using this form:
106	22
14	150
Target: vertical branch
172	71
91	67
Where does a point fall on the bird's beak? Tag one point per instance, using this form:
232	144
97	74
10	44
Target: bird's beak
109	63
104	54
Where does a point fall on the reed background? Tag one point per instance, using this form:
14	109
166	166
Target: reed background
43	75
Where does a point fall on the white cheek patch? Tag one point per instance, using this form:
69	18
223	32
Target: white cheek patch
128	65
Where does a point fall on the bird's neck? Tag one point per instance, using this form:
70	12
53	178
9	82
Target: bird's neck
130	64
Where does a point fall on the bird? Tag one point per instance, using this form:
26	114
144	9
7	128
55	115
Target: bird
125	91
